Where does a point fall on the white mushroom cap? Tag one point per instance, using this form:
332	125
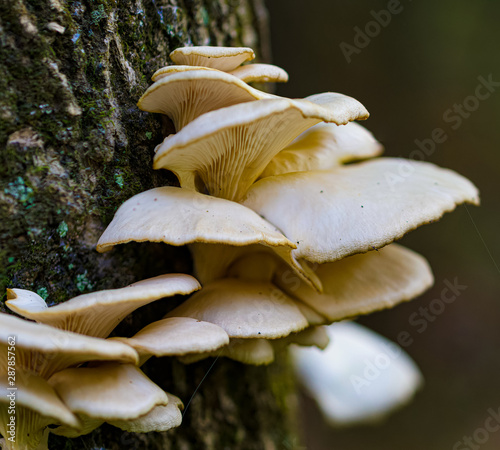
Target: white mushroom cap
97	314
244	309
36	406
352	209
180	216
108	392
221	58
160	418
230	147
323	147
185	95
43	350
336	377
177	336
169	70
260	73
365	283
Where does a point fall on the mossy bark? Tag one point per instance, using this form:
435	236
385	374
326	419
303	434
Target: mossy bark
74	146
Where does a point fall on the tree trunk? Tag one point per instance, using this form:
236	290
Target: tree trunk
74	147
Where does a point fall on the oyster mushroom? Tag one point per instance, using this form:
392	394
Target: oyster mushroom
351	209
186	94
98	313
44	350
176	336
108	392
221	58
259	73
27	410
362	284
244	309
361	377
227	149
323	147
181	216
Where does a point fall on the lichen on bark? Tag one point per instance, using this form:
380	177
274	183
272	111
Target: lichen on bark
74	146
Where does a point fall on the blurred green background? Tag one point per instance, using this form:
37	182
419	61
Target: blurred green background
422	63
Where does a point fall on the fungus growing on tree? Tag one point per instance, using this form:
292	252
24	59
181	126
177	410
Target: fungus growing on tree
314	210
98	313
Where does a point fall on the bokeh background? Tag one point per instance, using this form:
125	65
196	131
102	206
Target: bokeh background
426	60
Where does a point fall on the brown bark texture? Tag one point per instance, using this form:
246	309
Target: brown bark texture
74	146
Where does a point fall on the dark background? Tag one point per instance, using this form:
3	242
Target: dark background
426	60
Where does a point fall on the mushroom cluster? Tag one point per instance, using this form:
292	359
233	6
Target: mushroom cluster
285	235
68	375
290	218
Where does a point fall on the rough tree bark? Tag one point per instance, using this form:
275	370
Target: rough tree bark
74	146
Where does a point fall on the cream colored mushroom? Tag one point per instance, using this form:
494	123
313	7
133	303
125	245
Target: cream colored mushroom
160	418
356	208
180	216
44	350
105	393
258	73
98	313
176	336
365	283
169	70
346	392
184	95
228	149
221	58
244	309
324	146
27	409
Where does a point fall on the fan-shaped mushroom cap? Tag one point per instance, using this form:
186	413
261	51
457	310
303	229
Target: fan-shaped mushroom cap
97	314
365	283
43	350
352	209
221	58
160	418
169	70
108	392
230	147
180	216
36	406
323	147
177	336
244	309
185	95
260	73
336	378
